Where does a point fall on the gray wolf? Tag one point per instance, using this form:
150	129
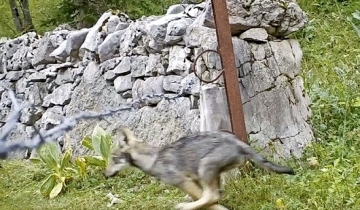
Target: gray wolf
193	163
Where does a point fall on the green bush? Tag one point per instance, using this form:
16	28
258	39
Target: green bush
58	165
101	144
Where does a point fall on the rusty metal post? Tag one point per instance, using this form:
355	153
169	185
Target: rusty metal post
226	51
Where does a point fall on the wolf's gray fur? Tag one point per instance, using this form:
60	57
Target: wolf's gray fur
193	163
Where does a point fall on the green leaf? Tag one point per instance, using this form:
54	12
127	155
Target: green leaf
87	142
105	146
93	160
48	185
66	159
35	160
56	190
81	166
96	138
50	155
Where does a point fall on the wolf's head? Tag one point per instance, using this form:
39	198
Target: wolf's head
121	158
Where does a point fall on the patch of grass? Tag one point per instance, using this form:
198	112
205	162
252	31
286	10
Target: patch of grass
329	180
20	182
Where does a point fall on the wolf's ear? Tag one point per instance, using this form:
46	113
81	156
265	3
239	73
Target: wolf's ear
128	136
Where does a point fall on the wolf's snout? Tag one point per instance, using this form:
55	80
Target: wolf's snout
109	174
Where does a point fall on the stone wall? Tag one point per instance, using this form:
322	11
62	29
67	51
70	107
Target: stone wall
118	60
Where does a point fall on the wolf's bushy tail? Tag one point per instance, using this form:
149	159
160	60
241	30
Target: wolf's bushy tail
266	164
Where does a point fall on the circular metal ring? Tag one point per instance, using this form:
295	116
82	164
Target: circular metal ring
194	67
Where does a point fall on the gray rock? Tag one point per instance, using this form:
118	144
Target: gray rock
124	66
13	76
18	52
175	9
29	116
5	99
199	36
60	52
21	85
111	24
74	41
214	114
52	116
175	30
178	62
191	84
126	94
138	66
242	51
58	36
172	83
255	34
123	83
4	113
36	93
43	50
121	26
156	31
37	77
133	34
61	96
109	64
19	134
279	18
110	76
169	121
110	47
284	57
194	10
65	75
91	73
154	65
91	41
139	50
151	86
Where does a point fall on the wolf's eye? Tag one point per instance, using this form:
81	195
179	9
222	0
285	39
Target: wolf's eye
116	158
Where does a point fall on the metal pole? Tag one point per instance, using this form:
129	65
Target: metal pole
226	52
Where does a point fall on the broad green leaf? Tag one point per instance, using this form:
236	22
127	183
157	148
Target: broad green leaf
56	190
105	146
49	154
35	160
65	160
97	161
87	142
96	139
48	185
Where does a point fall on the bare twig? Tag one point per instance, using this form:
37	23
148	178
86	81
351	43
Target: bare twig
67	124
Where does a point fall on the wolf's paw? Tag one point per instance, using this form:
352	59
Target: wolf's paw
183	206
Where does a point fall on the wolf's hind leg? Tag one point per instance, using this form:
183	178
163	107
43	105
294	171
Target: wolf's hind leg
203	198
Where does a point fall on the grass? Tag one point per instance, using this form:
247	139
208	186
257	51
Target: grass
328	176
